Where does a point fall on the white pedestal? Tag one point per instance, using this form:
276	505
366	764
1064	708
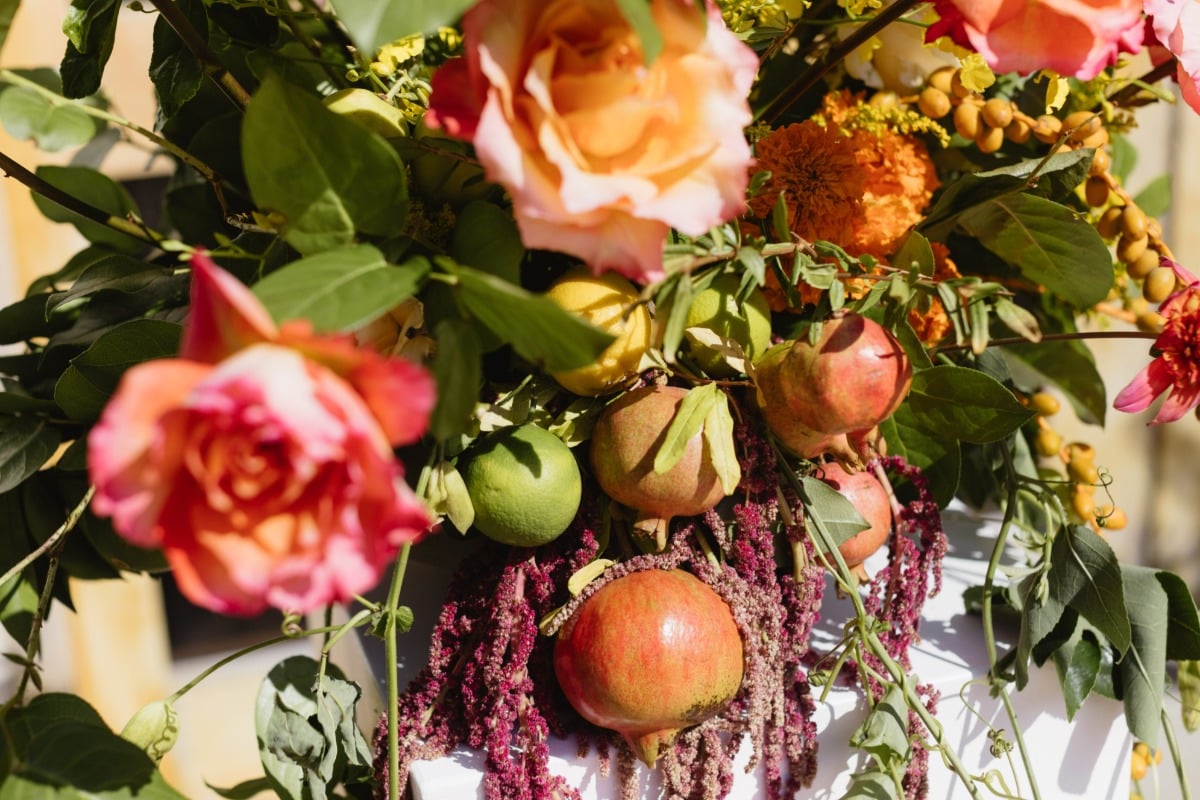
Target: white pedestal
1085	758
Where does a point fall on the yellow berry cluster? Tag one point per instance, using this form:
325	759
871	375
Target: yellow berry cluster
1080	461
1142	759
988	122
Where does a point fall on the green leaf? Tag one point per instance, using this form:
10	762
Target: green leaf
485	237
246	790
884	733
8	9
306	732
687	423
98	190
175	71
91	28
328	176
1183	622
938	456
1155	199
457	367
92	377
1078	665
1070	366
53	126
537	327
1143	667
1049	243
637	14
340	290
1057	177
966	404
373	23
836	514
1086	576
718	435
26	444
871	784
118	273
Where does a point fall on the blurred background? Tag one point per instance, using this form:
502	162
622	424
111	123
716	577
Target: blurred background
135	641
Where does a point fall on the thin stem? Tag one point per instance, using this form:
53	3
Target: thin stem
33	644
807	79
1053	337
198	45
207	172
391	648
46	546
1152	77
187	687
1176	757
137	230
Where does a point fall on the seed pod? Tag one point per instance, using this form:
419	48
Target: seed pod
1133	222
1047	129
966	120
1100	163
1146	263
1048	442
1150	322
1154	229
1080	125
1159	284
1083	470
1045	404
1097	139
154	728
989	140
1095	190
956	85
942	78
1130	250
933	102
1018	131
1083	503
998	112
1113	519
1109	224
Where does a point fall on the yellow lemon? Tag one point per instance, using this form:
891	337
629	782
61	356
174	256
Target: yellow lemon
609	302
525	485
717	309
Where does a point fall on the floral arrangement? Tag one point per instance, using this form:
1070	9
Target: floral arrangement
671	313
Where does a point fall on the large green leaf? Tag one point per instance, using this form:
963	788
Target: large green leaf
91	28
1143	667
937	455
1086	576
373	23
1183	622
965	404
485	237
458	370
100	191
1071	367
340	290
53	126
1078	664
537	327
174	68
90	380
26	444
1049	243
687	422
327	175
117	272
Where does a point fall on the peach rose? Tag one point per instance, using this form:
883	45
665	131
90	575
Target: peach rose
1072	37
257	459
1176	25
601	153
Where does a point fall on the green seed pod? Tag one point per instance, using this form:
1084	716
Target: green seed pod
153	728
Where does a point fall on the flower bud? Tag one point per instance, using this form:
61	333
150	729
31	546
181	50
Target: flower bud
153	728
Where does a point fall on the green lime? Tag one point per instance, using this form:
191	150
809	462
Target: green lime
717	309
525	485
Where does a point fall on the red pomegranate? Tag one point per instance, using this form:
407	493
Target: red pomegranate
870	499
625	440
648	655
851	379
796	437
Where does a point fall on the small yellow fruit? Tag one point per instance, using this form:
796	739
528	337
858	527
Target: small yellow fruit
609	302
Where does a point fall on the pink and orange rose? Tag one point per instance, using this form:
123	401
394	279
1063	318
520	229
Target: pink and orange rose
260	460
601	152
1176	26
1072	37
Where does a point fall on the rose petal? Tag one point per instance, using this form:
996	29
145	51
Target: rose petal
224	315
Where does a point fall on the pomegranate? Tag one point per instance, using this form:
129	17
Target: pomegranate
648	655
798	438
852	379
625	440
870	499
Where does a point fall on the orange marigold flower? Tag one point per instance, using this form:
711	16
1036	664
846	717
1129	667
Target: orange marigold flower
932	324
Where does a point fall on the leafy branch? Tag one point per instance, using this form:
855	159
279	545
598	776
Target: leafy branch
209	61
